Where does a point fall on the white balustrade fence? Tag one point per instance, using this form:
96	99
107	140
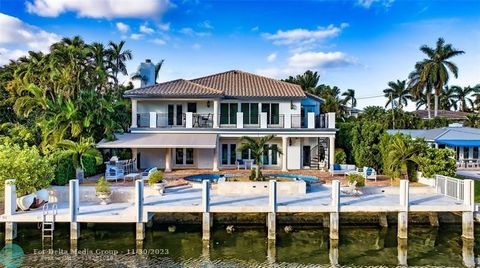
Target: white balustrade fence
449	186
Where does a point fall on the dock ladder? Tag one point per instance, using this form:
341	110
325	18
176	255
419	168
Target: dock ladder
49	213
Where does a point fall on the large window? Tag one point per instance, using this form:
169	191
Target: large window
272	110
184	156
228	113
229	154
270	157
250	113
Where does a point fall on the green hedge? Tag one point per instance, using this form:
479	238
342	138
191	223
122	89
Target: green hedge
90	165
64	170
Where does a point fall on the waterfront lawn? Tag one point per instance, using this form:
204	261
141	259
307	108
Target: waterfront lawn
477	191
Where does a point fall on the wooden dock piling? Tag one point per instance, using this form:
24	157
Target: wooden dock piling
467	216
74	209
10	209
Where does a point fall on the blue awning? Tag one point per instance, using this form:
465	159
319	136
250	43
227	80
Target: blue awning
460	143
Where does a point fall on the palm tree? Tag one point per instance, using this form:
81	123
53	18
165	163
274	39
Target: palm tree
84	147
436	66
463	97
308	81
420	90
476	95
448	99
399	154
158	67
473	120
350	97
118	56
258	147
397	94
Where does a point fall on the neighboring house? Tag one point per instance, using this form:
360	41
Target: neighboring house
352	111
452	115
465	141
199	123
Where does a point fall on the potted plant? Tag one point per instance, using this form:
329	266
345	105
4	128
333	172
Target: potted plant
155	180
103	191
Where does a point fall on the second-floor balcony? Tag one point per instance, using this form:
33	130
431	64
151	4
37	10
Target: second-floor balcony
236	120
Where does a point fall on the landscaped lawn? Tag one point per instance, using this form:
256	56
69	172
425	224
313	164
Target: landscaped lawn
477	191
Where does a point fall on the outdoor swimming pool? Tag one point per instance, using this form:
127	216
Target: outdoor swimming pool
214	177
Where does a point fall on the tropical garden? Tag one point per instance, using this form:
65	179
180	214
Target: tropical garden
55	106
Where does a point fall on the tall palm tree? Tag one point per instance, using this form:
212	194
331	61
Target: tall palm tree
397	94
437	66
473	120
118	56
421	90
258	147
399	154
308	81
350	97
463	97
158	67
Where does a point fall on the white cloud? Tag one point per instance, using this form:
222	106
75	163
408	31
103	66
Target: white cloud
368	3
272	57
17	37
196	46
255	29
99	8
159	41
164	26
136	36
312	60
145	29
206	24
301	36
189	31
122	27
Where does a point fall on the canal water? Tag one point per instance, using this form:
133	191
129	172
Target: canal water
114	246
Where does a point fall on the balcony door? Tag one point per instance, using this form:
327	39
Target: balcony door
183	156
250	113
175	115
228	113
272	110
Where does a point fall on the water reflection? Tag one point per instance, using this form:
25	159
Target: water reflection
100	246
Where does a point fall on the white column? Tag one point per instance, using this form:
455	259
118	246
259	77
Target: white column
311	120
153	119
288	120
139	195
403	213
10	208
467	215
334	216
272	204
263	120
74	209
189	120
285	152
215	155
331	150
168	160
216	103
330	120
239	119
206	217
134	113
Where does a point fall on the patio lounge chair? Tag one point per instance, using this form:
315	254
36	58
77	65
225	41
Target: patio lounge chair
341	169
369	173
240	164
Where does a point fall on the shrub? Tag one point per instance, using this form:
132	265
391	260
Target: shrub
437	162
103	186
64	169
351	178
90	165
155	177
340	156
30	170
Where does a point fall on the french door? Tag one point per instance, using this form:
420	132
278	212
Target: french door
270	157
272	110
228	113
229	154
175	115
183	156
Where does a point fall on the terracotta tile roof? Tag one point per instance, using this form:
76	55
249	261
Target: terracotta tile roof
442	113
175	88
230	84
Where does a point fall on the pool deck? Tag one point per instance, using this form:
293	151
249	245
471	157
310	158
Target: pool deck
184	199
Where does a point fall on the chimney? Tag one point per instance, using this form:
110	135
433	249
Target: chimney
145	74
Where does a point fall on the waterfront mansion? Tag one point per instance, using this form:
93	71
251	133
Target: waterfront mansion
198	124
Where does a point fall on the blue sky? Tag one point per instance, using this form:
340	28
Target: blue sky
359	44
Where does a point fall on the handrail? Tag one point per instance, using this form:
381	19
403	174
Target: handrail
449	186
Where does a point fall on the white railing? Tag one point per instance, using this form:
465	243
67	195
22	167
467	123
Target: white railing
449	186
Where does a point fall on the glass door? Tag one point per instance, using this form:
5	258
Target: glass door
306	156
229	154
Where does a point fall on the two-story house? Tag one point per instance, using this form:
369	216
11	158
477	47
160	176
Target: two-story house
198	123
